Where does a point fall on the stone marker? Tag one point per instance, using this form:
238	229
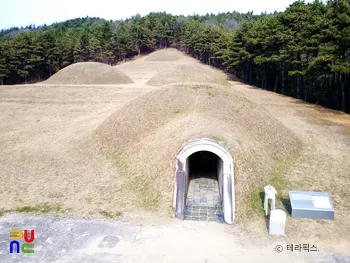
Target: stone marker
277	222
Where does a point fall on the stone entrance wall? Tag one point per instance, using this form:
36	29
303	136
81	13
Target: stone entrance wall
226	178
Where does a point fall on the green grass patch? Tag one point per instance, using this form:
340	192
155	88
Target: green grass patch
2	212
109	214
211	94
40	208
149	199
276	176
200	87
177	111
118	213
152	202
242	99
257	197
216	138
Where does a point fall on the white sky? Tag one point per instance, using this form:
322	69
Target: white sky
25	12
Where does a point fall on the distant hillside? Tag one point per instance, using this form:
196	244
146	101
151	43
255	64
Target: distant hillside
230	20
71	24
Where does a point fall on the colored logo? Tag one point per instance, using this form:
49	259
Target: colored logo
16	236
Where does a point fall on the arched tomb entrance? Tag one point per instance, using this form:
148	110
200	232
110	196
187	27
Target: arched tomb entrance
204	185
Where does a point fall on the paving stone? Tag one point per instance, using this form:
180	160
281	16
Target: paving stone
203	200
321	257
108	241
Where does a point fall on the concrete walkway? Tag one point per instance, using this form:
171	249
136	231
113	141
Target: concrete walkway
61	241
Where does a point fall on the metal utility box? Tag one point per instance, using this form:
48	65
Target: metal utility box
316	205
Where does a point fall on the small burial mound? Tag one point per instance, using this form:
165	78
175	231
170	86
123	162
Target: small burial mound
187	73
144	137
169	54
89	73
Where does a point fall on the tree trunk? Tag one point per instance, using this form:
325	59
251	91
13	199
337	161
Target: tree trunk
246	74
298	76
263	82
342	92
313	89
243	75
282	88
347	93
298	86
276	83
37	74
250	72
1	81
305	90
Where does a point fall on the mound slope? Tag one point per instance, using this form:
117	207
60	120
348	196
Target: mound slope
189	72
89	73
144	137
170	54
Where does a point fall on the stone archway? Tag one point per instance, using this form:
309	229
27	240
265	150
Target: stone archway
225	177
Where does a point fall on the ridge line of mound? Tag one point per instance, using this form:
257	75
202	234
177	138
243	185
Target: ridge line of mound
89	73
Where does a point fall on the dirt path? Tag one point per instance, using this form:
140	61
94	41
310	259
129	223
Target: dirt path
63	241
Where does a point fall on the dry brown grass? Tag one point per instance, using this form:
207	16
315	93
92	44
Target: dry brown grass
169	54
323	163
44	153
89	73
48	144
189	72
144	137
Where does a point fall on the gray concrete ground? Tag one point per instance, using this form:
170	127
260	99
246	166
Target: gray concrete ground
62	240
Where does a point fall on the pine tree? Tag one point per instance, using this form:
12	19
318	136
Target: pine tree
4	62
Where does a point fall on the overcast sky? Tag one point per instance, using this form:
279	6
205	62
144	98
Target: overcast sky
25	12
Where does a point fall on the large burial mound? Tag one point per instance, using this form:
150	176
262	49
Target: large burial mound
189	72
144	137
170	54
89	73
